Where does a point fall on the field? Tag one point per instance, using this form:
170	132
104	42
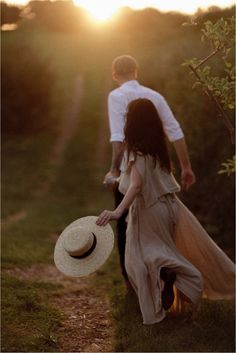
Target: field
54	175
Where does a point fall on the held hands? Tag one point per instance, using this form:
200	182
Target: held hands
111	180
107	216
187	178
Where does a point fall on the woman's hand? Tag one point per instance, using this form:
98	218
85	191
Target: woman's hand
132	192
107	216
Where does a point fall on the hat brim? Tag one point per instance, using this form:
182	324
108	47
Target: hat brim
80	267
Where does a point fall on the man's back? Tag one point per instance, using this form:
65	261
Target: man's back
132	90
119	100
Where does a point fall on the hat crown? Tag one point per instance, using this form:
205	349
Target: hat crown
78	241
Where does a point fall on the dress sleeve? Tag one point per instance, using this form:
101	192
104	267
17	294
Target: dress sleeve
126	165
140	164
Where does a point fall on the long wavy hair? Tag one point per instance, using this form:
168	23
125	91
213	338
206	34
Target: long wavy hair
144	132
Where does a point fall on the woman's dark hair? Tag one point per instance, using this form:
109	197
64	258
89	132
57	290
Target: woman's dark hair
144	132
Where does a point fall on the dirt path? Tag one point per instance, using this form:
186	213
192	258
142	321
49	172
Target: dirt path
14	218
86	323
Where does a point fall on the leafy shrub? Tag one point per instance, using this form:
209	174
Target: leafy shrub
57	16
9	14
26	90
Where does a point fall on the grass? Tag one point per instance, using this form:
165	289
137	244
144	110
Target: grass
212	330
24	168
29	321
179	334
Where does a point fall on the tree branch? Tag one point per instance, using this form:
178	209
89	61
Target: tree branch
223	113
207	58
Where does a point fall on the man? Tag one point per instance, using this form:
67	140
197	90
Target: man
124	73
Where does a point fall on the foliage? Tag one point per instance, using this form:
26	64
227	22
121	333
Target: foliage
221	37
9	14
56	16
27	84
229	167
220	34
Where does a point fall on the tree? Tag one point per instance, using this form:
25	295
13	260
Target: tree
220	87
27	82
9	14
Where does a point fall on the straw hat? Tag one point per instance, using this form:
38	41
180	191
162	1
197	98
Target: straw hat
83	247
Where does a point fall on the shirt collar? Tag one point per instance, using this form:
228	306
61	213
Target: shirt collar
131	83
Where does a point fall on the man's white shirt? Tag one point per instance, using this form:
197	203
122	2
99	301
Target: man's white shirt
119	99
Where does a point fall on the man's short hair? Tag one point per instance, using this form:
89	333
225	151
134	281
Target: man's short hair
124	65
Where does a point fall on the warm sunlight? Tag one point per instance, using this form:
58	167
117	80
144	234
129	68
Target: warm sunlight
100	10
104	9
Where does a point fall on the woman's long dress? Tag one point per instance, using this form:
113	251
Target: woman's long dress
162	232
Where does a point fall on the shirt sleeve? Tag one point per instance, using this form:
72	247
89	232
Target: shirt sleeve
116	114
170	124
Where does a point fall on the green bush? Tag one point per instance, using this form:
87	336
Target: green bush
26	90
9	14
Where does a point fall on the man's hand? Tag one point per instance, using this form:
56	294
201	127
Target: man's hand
187	175
187	178
110	179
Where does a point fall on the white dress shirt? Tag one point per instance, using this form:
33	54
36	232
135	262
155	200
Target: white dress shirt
119	99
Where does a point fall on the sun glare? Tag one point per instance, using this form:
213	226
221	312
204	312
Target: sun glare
101	14
99	10
103	10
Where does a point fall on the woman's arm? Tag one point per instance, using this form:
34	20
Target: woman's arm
133	190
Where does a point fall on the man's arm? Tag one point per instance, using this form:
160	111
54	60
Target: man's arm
116	114
114	172
187	175
117	155
176	136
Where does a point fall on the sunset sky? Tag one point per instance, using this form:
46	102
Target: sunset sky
103	9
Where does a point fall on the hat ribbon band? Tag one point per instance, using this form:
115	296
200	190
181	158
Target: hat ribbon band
87	253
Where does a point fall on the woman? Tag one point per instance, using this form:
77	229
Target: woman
165	243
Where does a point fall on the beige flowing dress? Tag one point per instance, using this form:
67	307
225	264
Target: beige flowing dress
162	232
